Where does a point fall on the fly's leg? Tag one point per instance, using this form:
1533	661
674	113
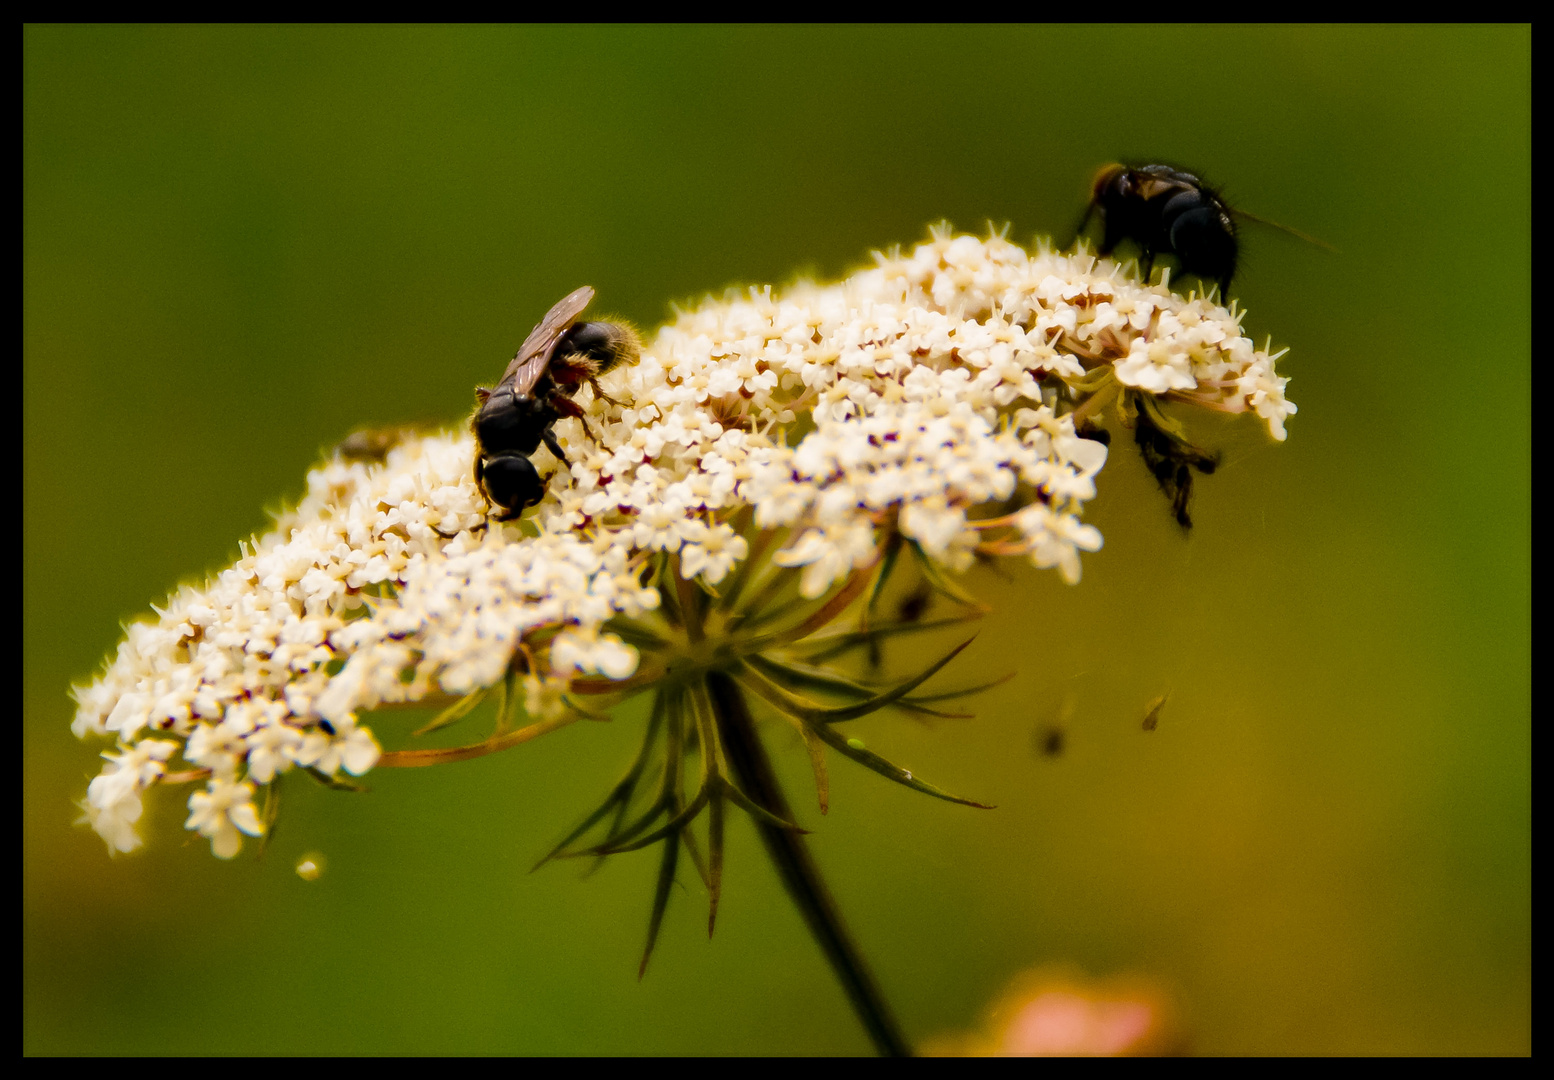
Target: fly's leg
1083	224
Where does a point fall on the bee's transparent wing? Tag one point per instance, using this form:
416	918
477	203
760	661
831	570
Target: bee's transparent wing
534	357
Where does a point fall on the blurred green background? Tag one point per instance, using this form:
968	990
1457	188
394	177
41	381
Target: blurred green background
238	244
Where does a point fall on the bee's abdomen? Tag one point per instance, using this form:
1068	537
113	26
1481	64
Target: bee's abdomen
601	345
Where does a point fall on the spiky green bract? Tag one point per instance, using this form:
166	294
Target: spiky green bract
758	640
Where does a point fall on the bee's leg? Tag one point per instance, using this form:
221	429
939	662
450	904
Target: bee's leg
567	407
1147	264
555	446
602	396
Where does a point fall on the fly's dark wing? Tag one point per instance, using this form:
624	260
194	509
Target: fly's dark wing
1150	187
1323	244
534	357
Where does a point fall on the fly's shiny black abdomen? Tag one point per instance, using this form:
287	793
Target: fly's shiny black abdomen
1202	236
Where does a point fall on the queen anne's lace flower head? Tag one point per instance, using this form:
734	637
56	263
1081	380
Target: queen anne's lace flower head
940	399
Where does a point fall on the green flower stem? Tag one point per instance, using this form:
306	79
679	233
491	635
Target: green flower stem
753	773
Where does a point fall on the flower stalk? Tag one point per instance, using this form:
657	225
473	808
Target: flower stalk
796	866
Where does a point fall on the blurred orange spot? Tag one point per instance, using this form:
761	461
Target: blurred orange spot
1050	1014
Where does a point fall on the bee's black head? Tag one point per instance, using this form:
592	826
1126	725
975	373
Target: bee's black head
512	482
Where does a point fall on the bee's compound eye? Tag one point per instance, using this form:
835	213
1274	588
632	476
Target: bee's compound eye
512	482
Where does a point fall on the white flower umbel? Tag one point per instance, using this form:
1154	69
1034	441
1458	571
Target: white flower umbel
938	400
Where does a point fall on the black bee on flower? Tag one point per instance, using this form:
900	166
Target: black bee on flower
558	356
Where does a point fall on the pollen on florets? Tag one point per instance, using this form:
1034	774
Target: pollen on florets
941	398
